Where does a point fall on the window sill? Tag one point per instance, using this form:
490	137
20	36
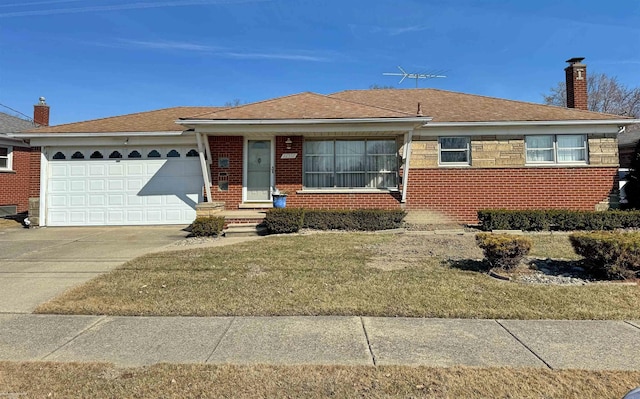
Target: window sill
555	164
454	165
10	171
347	191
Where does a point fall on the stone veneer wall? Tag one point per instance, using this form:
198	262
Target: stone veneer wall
489	151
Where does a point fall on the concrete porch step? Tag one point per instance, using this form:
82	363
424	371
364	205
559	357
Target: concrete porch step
244	230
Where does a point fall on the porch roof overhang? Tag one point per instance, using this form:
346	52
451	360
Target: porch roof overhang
244	126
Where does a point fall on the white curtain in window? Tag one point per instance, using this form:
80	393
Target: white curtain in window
540	148
350	163
571	148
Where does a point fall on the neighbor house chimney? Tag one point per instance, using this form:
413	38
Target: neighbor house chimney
41	113
576	74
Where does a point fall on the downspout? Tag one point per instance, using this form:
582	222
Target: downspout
203	165
408	138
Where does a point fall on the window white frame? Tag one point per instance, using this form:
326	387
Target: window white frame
446	148
555	149
374	177
6	160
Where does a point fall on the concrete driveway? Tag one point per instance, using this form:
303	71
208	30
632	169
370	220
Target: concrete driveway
39	264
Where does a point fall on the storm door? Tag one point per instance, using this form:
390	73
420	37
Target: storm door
258	170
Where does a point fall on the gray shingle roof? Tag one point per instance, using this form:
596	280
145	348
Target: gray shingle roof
13	124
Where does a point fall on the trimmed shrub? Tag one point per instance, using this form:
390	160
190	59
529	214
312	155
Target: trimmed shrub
359	219
609	254
284	220
207	226
503	250
557	219
290	220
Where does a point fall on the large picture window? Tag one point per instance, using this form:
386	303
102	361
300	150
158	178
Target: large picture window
350	164
454	150
570	148
5	158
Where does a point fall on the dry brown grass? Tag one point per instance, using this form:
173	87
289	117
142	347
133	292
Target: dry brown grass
9	224
333	274
68	380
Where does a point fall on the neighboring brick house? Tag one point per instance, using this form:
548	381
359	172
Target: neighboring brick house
440	153
15	166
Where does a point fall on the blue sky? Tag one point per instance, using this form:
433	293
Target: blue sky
96	58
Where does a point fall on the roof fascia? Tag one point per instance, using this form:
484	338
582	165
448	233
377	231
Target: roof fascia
617	122
98	134
6	140
306	125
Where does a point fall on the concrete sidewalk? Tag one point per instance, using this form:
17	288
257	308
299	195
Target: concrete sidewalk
136	341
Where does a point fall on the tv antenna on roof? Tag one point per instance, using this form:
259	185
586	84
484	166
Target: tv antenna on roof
415	76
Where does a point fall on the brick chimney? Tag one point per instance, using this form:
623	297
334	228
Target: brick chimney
576	74
41	113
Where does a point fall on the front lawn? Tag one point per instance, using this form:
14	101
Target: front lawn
341	274
95	380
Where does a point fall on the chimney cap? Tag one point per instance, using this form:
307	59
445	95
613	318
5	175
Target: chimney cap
575	60
41	101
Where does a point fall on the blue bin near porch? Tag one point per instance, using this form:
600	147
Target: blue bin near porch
279	201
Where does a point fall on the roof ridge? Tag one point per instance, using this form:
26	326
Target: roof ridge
323	96
587	112
253	103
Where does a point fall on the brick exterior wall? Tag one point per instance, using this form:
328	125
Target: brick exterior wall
15	186
461	192
227	147
457	193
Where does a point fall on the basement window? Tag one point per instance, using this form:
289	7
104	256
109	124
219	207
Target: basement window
552	149
6	155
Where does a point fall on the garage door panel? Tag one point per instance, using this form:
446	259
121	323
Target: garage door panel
59	185
58	201
77	200
77	186
96	200
115	185
97	217
135	216
116	169
115	200
58	170
96	185
77	170
134	169
116	217
122	191
97	170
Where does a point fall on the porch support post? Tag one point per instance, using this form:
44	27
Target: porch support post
408	138
205	142
204	166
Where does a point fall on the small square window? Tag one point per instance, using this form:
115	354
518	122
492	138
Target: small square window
223	162
454	150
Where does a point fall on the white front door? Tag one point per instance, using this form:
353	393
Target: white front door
258	168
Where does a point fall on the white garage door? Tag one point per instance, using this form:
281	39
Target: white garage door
122	186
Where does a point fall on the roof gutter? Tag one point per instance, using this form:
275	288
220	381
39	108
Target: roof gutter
195	122
101	134
618	122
